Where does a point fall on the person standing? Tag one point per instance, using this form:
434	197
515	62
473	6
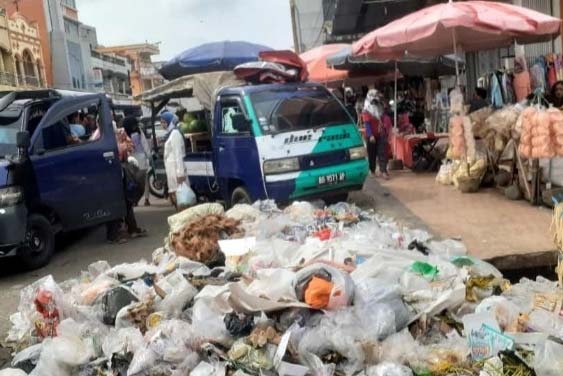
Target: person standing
371	117
141	150
174	152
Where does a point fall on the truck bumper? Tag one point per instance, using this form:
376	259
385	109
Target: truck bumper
13	222
305	184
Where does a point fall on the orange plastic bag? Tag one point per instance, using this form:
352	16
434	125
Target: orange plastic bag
317	293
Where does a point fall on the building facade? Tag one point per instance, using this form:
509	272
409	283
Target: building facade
27	55
144	75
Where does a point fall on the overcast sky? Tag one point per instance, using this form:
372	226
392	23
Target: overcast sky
182	24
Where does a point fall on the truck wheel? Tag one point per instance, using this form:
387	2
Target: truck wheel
343	197
240	196
40	239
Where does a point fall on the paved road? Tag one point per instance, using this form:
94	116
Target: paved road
76	252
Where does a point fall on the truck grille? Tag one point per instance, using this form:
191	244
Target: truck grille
332	158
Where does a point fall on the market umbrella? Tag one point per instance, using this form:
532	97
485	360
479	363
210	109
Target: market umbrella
475	25
407	65
317	66
212	57
468	25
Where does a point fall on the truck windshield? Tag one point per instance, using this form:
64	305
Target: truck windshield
10	125
297	108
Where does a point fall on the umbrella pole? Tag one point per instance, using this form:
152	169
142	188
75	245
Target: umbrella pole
395	99
395	164
456	58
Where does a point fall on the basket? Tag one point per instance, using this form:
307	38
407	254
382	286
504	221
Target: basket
469	184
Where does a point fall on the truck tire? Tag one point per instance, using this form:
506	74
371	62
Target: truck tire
240	196
40	239
331	200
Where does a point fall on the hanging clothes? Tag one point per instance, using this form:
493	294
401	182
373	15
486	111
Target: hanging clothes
495	92
551	72
507	88
559	67
522	82
538	75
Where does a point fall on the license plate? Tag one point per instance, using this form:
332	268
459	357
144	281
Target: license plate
330	179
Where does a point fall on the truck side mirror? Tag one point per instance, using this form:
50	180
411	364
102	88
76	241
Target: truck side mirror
23	140
240	123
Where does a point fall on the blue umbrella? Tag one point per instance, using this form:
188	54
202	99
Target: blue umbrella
211	57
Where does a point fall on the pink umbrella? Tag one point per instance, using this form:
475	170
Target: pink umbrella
469	25
316	63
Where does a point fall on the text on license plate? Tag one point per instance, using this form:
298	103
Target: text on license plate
335	178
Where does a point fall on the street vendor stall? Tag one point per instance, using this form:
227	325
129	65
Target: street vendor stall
461	26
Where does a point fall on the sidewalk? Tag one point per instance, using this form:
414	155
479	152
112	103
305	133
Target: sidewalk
513	234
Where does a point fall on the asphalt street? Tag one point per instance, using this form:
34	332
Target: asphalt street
76	251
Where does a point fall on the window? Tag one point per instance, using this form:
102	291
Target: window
70	3
297	108
76	127
228	109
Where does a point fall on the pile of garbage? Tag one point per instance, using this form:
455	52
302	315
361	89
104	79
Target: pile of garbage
307	290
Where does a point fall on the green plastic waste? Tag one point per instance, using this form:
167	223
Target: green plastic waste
462	261
424	269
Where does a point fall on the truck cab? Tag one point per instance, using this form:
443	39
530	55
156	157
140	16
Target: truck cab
50	179
273	141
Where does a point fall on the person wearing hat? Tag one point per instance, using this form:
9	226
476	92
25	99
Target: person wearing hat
377	132
174	152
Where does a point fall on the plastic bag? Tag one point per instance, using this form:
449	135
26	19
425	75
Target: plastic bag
343	286
61	355
27	359
12	372
126	340
506	312
388	369
375	291
549	359
207	321
185	196
274	284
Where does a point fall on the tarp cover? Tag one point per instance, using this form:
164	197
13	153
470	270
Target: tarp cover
201	86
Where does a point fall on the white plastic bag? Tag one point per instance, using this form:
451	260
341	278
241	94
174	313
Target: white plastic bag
185	196
388	369
549	359
12	372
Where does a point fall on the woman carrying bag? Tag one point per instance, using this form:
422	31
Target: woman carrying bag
174	152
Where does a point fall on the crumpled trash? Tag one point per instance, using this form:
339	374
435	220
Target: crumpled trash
254	359
63	354
342	285
114	300
317	292
26	360
239	325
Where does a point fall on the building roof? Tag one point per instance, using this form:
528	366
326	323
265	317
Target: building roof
142	47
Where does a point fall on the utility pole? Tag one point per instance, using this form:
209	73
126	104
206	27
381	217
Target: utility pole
296	43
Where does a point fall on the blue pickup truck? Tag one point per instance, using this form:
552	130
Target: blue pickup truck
50	182
273	141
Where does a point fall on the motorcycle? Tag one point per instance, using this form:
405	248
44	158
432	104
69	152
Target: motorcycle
158	185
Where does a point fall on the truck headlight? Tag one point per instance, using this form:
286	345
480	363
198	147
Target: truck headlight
10	196
279	166
357	153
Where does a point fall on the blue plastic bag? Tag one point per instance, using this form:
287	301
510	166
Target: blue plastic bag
185	196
